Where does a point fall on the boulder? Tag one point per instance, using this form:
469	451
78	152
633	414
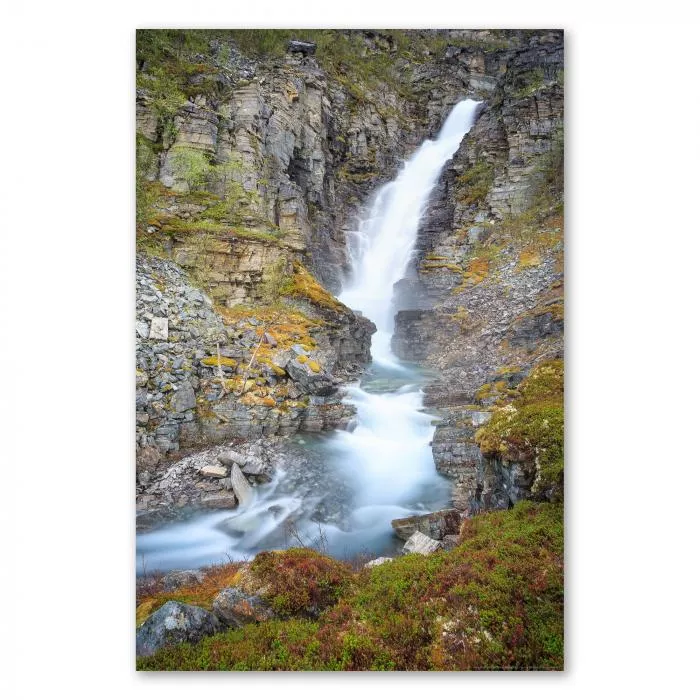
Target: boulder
308	48
174	623
214	470
254	466
240	485
178	579
418	543
231	457
435	525
147	458
183	399
309	379
450	542
159	328
219	499
236	608
377	562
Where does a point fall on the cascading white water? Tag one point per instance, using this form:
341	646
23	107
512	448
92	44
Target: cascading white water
386	460
389	452
383	245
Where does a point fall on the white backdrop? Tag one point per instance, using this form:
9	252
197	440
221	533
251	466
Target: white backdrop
67	351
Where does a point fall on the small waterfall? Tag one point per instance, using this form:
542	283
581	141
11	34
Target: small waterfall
385	464
382	247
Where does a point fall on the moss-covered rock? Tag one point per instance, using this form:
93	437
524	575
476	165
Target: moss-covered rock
531	428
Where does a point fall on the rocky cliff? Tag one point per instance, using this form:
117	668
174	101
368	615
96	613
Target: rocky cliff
254	157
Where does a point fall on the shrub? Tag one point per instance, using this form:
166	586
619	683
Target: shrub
300	581
494	602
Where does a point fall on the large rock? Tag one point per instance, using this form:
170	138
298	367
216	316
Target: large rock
178	579
231	457
236	608
159	329
308	48
214	470
310	379
377	562
240	485
183	399
175	623
418	543
434	525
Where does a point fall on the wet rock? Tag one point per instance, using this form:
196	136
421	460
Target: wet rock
175	623
240	486
219	499
418	543
254	466
236	608
434	525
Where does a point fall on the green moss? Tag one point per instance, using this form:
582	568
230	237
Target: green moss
304	285
222	229
529	83
474	184
215	361
531	428
494	602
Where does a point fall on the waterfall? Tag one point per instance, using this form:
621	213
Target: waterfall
386	461
388	456
381	248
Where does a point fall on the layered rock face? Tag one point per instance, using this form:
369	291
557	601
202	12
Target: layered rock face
252	171
202	377
483	303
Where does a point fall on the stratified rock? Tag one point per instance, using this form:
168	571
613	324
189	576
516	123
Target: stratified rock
435	525
178	579
418	543
219	499
236	608
175	623
159	329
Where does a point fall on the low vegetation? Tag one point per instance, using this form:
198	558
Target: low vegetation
530	428
494	602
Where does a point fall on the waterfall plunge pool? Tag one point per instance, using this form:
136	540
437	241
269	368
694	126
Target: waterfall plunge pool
341	500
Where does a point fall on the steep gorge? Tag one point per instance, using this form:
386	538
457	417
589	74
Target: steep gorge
252	168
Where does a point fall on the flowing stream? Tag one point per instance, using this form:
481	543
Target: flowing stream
383	468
